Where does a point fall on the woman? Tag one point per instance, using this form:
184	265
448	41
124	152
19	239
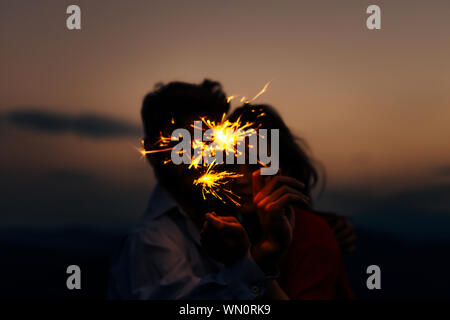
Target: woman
312	265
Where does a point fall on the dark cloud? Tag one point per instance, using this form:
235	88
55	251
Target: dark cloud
69	196
88	125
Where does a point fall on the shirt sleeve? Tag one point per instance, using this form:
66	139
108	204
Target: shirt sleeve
243	280
152	267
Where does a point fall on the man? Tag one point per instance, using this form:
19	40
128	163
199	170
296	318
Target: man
171	253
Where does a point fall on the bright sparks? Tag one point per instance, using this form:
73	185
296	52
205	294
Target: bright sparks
244	98
262	91
226	137
215	183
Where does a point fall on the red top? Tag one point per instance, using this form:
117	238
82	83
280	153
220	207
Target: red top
313	266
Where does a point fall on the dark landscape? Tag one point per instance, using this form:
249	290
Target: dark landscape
33	265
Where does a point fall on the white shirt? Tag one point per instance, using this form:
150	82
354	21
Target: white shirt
162	258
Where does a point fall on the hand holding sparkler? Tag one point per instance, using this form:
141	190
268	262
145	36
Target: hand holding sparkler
224	238
273	199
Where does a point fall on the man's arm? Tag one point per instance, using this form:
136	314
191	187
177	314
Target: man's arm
152	267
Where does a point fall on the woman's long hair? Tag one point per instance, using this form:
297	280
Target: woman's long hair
293	150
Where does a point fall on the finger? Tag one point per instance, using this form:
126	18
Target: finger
228	219
338	226
348	241
212	213
348	247
345	233
222	225
231	224
213	221
283	201
286	189
290	215
257	182
278	193
265	190
275	182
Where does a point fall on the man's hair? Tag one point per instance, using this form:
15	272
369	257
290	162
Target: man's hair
178	105
181	103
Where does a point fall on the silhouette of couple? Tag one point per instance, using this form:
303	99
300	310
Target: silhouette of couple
273	246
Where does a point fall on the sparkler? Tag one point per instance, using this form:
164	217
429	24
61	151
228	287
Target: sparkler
215	183
226	136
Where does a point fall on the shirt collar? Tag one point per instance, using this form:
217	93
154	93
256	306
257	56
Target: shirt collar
160	202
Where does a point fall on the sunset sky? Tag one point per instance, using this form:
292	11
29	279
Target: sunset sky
374	106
